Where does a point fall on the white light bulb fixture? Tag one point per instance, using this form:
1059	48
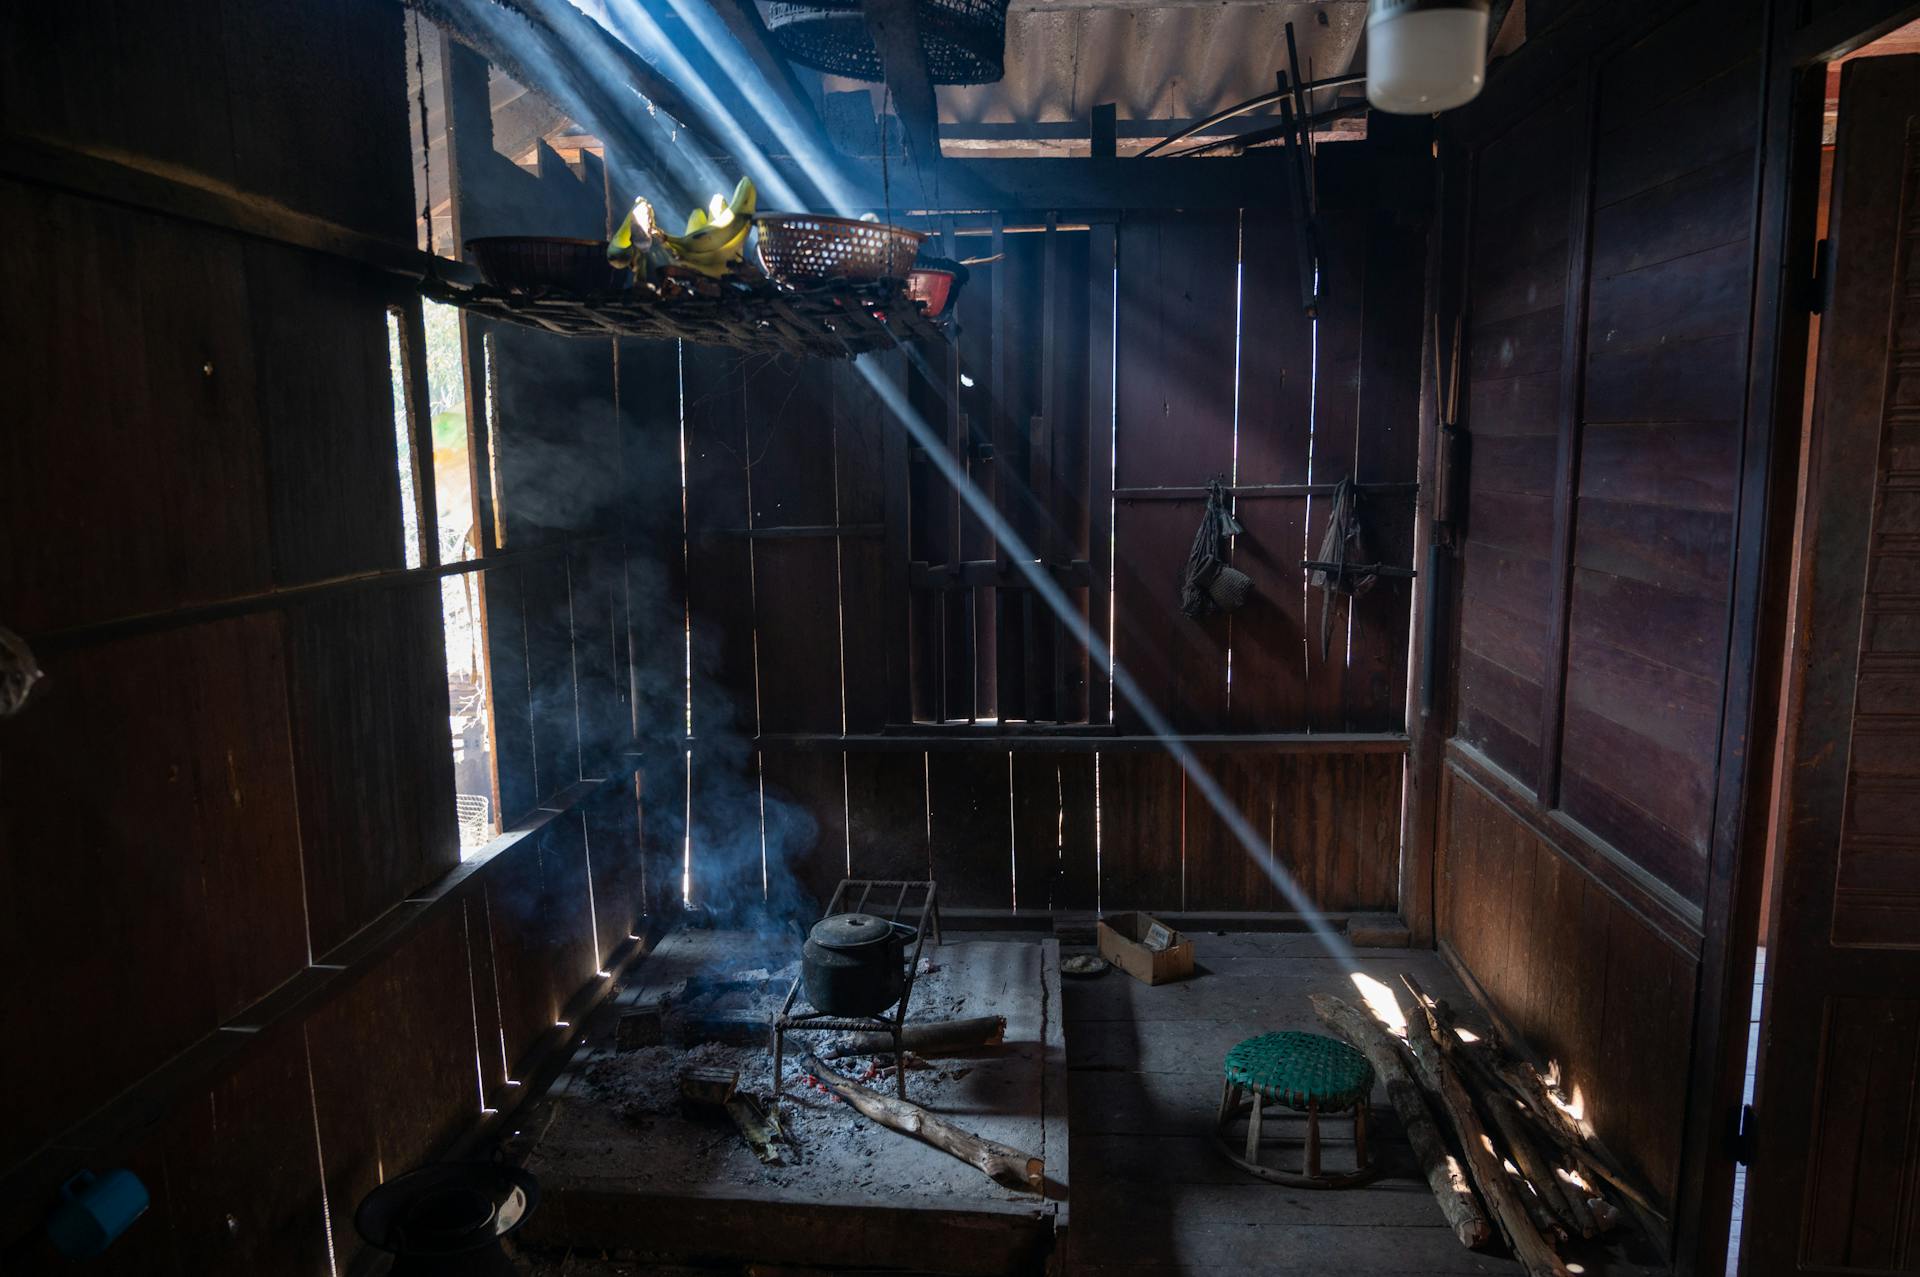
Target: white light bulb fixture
1425	55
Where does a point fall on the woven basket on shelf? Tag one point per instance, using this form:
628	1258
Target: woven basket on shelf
964	41
800	247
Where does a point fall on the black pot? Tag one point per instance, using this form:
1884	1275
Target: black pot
855	964
447	1219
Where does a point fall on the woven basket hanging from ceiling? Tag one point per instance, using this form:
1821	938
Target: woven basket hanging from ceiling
965	40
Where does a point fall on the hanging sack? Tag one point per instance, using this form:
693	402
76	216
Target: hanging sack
1207	583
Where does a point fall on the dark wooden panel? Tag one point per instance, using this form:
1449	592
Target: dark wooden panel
335	143
1681	629
1671	548
51	81
1175	363
1512	405
1055	863
1640	796
1220	872
1499	711
1141	831
1694	381
394	1069
1276	364
1683	464
602	656
970	809
887	815
1517	465
618	876
719	561
1269	636
1174	426
557	435
542	934
1860	1194
1637	308
1689	214
1646	152
1589	986
368	689
552	684
506	618
795	582
132	759
112	412
1507	283
871	638
806	836
1179	662
325	403
242	1188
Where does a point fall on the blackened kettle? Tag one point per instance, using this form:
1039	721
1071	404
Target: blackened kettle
854	964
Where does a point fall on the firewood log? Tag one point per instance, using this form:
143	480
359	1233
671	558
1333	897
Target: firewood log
1006	1165
1445	1176
1569	1132
1568	1209
1508	1207
938	1037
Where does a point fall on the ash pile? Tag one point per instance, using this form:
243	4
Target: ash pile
693	1071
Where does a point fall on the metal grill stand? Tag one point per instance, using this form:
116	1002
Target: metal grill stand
891	1022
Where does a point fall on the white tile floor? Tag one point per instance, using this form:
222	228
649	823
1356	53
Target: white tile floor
1753	1052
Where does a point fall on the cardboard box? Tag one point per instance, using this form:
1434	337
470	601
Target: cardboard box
1145	947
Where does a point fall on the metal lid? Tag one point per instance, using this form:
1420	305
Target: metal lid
850	931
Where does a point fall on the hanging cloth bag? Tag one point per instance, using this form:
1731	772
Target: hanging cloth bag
1207	583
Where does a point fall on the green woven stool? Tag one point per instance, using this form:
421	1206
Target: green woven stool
1305	1072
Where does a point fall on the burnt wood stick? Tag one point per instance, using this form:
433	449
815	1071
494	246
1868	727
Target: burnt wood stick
939	1037
1569	1132
1569	1209
1508	1207
1445	1176
1004	1165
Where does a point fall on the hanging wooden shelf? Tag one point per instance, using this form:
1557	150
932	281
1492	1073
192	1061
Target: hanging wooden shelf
836	319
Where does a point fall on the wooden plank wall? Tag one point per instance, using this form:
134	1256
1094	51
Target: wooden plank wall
1608	279
808	654
227	838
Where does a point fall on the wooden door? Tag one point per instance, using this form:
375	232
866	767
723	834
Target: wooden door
1834	1183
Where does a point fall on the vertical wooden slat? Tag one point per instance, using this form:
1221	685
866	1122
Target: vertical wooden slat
1101	253
873	644
1141	831
1175	361
1567	461
1269	635
969	806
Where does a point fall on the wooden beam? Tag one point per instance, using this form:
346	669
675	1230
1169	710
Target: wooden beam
1047	738
896	34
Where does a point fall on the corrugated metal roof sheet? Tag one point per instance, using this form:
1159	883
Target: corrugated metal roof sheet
1180	61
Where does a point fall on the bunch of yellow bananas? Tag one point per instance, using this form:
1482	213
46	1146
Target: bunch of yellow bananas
715	238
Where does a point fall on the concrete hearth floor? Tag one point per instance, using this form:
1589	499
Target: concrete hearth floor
1151	1195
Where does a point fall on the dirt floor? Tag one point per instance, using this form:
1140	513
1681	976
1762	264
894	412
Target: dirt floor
1151	1193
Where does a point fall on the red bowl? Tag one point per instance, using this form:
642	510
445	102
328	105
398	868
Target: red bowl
931	287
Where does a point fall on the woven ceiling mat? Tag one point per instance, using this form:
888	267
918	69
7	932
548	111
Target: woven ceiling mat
965	40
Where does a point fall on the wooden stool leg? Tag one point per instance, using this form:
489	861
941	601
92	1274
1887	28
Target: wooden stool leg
1229	1096
1313	1139
1253	1128
1360	1136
